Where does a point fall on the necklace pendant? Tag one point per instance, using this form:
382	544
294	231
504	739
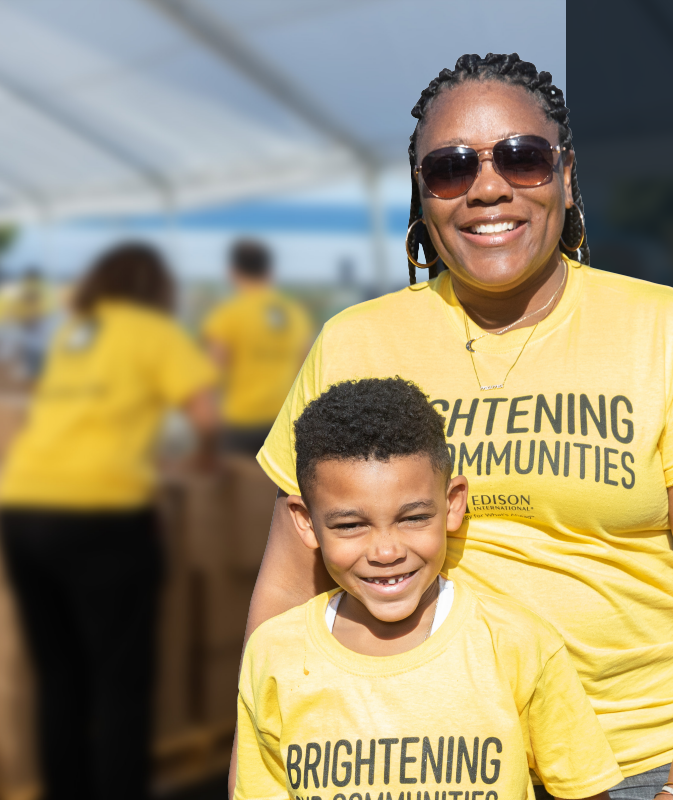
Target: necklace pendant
468	346
494	386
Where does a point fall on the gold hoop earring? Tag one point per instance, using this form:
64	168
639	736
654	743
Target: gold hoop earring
573	249
409	256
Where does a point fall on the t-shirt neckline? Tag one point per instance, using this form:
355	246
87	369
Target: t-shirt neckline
512	339
442	608
357	663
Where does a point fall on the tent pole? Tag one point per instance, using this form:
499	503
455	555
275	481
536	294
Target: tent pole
377	216
46	245
172	237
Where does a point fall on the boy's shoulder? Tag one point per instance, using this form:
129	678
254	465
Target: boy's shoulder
515	628
522	642
286	626
285	633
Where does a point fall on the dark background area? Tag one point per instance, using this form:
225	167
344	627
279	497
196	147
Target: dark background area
619	91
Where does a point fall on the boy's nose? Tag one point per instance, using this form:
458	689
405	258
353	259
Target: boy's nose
386	549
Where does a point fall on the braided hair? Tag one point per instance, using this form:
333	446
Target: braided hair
512	70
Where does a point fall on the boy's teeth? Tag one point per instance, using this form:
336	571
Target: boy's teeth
497	227
387	581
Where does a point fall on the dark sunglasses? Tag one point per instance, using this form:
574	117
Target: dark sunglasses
523	161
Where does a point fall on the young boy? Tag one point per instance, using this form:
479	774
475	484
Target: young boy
403	685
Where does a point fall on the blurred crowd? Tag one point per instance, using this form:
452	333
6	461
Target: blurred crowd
101	366
29	314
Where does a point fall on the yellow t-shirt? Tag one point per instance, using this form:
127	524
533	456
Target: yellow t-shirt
568	467
266	336
491	694
97	410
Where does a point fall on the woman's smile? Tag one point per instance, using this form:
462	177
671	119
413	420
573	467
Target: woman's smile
494	231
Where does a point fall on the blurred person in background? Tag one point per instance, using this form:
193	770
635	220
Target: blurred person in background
28	320
258	339
77	522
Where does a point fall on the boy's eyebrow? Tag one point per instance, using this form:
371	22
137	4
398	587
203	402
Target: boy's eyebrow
338	513
416	504
343	512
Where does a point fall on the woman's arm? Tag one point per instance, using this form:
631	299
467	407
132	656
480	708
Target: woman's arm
290	573
201	410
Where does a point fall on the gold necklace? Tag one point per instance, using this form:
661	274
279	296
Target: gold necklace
470	341
474	366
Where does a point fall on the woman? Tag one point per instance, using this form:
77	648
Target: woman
78	529
556	384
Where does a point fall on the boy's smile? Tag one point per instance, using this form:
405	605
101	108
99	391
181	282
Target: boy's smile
381	526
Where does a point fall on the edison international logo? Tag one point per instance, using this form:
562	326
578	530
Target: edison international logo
481	504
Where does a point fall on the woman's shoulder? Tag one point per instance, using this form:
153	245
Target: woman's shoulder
599	284
385	312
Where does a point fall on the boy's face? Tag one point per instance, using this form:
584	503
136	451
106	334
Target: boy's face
382	528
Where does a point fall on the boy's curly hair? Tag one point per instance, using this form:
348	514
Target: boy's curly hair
371	418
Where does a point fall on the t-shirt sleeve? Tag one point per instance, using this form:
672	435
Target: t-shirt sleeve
277	457
568	748
259	763
260	771
181	370
666	447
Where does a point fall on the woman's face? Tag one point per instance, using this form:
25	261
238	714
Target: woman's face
473	114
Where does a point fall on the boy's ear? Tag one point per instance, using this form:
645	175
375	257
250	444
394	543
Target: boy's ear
302	521
456	502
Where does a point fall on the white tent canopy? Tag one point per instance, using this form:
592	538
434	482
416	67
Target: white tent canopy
121	106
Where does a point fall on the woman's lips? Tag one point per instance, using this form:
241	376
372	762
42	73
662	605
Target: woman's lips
494	239
384	587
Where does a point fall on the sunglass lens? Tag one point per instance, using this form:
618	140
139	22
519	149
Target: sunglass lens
451	171
524	161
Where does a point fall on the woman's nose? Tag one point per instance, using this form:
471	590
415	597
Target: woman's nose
489	187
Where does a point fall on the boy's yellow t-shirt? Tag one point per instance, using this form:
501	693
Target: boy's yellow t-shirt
266	336
97	410
491	694
568	467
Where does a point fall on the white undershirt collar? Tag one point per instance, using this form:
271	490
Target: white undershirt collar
444	603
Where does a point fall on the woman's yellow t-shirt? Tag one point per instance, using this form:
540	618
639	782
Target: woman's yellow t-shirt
491	694
108	381
568	467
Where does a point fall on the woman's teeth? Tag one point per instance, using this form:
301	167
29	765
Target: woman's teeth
387	581
497	227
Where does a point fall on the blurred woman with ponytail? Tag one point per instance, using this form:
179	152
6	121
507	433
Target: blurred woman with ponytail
78	527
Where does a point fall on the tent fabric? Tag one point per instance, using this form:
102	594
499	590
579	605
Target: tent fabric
123	106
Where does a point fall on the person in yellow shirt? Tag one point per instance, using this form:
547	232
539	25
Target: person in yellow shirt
258	339
78	531
402	682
